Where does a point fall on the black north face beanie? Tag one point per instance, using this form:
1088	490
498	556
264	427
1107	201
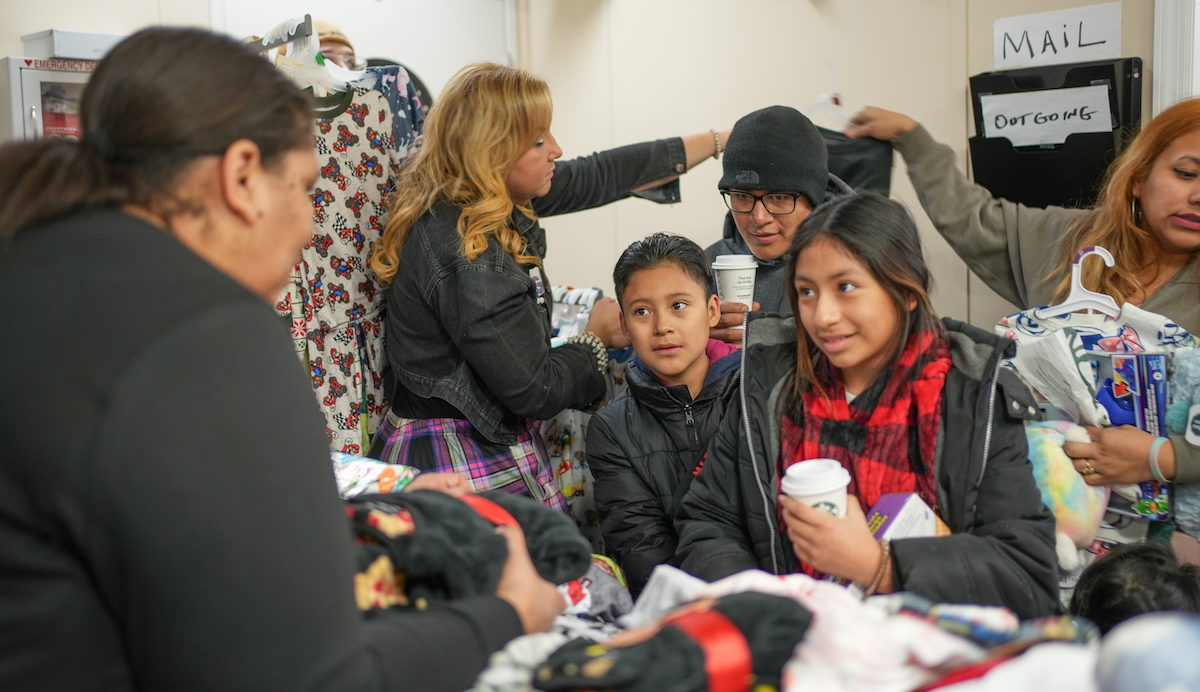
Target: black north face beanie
776	148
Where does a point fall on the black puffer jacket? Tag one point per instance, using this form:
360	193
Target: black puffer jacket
643	448
1002	548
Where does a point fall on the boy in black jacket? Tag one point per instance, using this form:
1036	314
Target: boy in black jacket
645	446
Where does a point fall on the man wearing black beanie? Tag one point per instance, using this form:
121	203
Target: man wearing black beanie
776	172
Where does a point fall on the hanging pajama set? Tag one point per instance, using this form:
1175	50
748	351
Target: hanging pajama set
335	307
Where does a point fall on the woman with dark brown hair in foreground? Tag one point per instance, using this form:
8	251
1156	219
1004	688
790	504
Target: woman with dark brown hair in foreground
168	515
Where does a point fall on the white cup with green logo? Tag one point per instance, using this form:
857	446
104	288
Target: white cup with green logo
818	483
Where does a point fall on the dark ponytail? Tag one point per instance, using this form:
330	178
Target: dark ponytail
43	179
161	99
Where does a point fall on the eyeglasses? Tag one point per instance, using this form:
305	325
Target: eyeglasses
346	62
773	202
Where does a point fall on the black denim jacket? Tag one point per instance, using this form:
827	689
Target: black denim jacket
476	334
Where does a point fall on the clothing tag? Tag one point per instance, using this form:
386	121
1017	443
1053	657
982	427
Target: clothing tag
1192	432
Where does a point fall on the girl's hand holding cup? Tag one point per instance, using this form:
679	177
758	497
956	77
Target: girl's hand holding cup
843	547
826	526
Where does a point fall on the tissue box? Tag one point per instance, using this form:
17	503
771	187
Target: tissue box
902	515
69	45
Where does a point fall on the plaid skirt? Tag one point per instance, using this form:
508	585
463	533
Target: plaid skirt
451	445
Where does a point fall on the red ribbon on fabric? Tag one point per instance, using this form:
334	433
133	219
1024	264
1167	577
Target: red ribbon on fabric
726	654
489	510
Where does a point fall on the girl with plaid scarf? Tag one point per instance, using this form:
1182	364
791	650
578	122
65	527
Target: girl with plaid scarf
866	374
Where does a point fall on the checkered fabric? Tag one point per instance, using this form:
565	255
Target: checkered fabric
886	439
450	444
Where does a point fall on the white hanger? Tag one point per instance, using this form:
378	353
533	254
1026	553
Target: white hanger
830	104
1080	298
301	63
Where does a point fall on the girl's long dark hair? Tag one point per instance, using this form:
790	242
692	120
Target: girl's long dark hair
880	233
161	99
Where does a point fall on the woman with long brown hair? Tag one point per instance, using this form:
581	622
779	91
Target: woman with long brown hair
468	333
866	375
1147	216
168	518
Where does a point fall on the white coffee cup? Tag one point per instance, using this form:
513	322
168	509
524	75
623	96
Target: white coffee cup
735	278
818	483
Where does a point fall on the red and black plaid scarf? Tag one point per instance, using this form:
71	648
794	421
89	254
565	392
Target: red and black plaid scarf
886	439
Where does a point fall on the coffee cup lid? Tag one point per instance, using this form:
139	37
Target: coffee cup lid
735	262
815	476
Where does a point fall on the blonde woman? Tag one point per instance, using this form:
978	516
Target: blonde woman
1148	216
468	301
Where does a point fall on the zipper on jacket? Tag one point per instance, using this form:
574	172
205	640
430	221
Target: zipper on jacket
987	436
691	420
772	526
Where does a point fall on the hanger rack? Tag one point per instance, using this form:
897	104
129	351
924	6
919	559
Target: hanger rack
303	30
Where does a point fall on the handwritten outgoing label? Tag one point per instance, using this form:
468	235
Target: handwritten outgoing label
1028	118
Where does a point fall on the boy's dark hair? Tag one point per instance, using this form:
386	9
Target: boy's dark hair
1134	579
882	234
661	248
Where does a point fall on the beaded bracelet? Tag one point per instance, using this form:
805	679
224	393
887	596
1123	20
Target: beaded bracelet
1155	470
592	341
717	138
884	563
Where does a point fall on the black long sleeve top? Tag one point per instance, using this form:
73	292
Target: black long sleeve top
168	514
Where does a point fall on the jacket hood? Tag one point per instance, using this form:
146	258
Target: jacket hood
655	394
973	350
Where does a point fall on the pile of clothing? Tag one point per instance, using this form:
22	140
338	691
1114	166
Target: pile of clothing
758	631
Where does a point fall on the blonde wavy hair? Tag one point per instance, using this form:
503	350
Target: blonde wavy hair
1111	222
486	118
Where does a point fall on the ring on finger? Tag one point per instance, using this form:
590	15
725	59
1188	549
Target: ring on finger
1087	469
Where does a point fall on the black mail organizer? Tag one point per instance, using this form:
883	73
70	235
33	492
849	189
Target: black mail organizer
1068	174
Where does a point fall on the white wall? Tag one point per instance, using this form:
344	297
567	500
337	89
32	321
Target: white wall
434	39
21	17
627	70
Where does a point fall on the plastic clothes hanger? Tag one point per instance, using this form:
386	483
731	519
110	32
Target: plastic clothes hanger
284	33
829	105
303	61
1080	298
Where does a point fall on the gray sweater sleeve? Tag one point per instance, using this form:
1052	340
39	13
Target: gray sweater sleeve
1187	460
1013	248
